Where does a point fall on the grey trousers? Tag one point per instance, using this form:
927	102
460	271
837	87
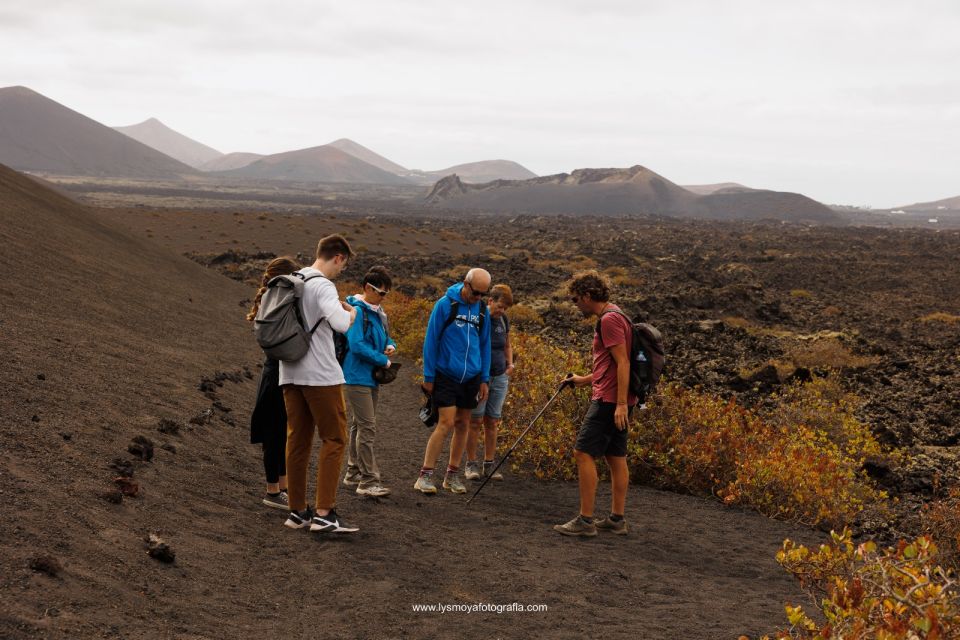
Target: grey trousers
362	420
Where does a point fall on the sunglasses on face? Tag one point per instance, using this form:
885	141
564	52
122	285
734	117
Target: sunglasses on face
479	294
382	293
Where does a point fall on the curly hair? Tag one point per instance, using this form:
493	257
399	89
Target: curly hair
590	283
278	267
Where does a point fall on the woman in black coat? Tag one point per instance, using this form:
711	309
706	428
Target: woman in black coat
268	423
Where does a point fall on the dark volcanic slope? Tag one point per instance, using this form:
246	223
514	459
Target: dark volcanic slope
636	190
159	136
317	164
38	134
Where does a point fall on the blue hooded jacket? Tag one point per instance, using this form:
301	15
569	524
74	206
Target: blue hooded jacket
366	345
462	352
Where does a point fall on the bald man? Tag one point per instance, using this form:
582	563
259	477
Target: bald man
456	372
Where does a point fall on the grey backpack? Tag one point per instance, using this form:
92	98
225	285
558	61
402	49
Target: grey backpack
279	325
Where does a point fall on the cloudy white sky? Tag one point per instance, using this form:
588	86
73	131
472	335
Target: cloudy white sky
854	102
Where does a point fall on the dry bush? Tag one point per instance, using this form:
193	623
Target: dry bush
800	293
940	316
408	322
456	273
897	593
615	271
941	520
831	311
828	353
523	315
782	468
738	323
429	285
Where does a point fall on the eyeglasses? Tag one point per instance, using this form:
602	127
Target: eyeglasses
479	294
382	293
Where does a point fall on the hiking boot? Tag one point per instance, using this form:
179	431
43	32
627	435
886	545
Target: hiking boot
618	527
375	490
299	519
452	483
331	523
424	484
278	501
350	480
577	527
488	468
471	471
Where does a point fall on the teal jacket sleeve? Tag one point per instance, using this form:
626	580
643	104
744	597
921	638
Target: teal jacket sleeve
359	345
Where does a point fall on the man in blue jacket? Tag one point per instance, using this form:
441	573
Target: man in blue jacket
456	371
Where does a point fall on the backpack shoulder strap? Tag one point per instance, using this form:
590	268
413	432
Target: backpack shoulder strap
306	279
454	307
483	315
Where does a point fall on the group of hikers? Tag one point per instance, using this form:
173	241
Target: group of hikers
467	364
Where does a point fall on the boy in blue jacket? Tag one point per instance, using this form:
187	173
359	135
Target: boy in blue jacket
370	346
456	371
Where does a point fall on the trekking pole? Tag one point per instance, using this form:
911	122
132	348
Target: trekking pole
567	382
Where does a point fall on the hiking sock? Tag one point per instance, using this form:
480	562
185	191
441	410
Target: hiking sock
586	519
426	471
274	495
615	517
452	470
488	467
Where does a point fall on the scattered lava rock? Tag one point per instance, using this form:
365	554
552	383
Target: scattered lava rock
122	466
202	418
141	447
168	426
159	549
113	496
127	486
169	447
41	376
221	407
35	418
66	436
46	564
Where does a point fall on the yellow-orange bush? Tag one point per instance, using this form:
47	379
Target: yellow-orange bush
897	593
941	519
408	322
784	463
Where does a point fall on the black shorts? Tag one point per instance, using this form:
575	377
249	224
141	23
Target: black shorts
450	393
598	435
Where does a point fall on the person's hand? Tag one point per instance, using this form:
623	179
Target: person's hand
621	417
579	381
390	350
349	308
428	387
484	392
509	370
388	363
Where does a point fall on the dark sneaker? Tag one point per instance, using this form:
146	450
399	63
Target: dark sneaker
424	484
279	501
472	471
452	483
488	469
331	523
375	490
299	519
618	527
351	481
577	527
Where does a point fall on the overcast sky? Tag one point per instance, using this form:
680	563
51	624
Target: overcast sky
847	102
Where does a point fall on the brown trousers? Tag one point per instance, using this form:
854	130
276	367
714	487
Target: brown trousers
323	409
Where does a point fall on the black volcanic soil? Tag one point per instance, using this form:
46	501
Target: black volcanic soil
130	361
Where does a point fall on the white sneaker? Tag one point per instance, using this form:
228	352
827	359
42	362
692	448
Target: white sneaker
375	490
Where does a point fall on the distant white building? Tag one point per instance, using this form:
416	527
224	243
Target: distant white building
933	221
899	212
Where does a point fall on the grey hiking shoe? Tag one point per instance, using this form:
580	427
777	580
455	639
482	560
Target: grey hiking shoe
424	484
488	468
577	527
472	471
618	527
351	480
278	501
374	490
452	483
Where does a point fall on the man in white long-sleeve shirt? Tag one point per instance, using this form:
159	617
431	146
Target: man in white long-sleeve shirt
313	394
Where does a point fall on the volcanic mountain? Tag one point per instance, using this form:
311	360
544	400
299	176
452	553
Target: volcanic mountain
707	189
947	205
40	135
316	164
475	172
230	161
636	190
159	136
368	156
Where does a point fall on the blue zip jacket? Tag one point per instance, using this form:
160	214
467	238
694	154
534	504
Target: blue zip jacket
461	353
366	351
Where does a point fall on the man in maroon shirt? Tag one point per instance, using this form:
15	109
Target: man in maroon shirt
604	429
